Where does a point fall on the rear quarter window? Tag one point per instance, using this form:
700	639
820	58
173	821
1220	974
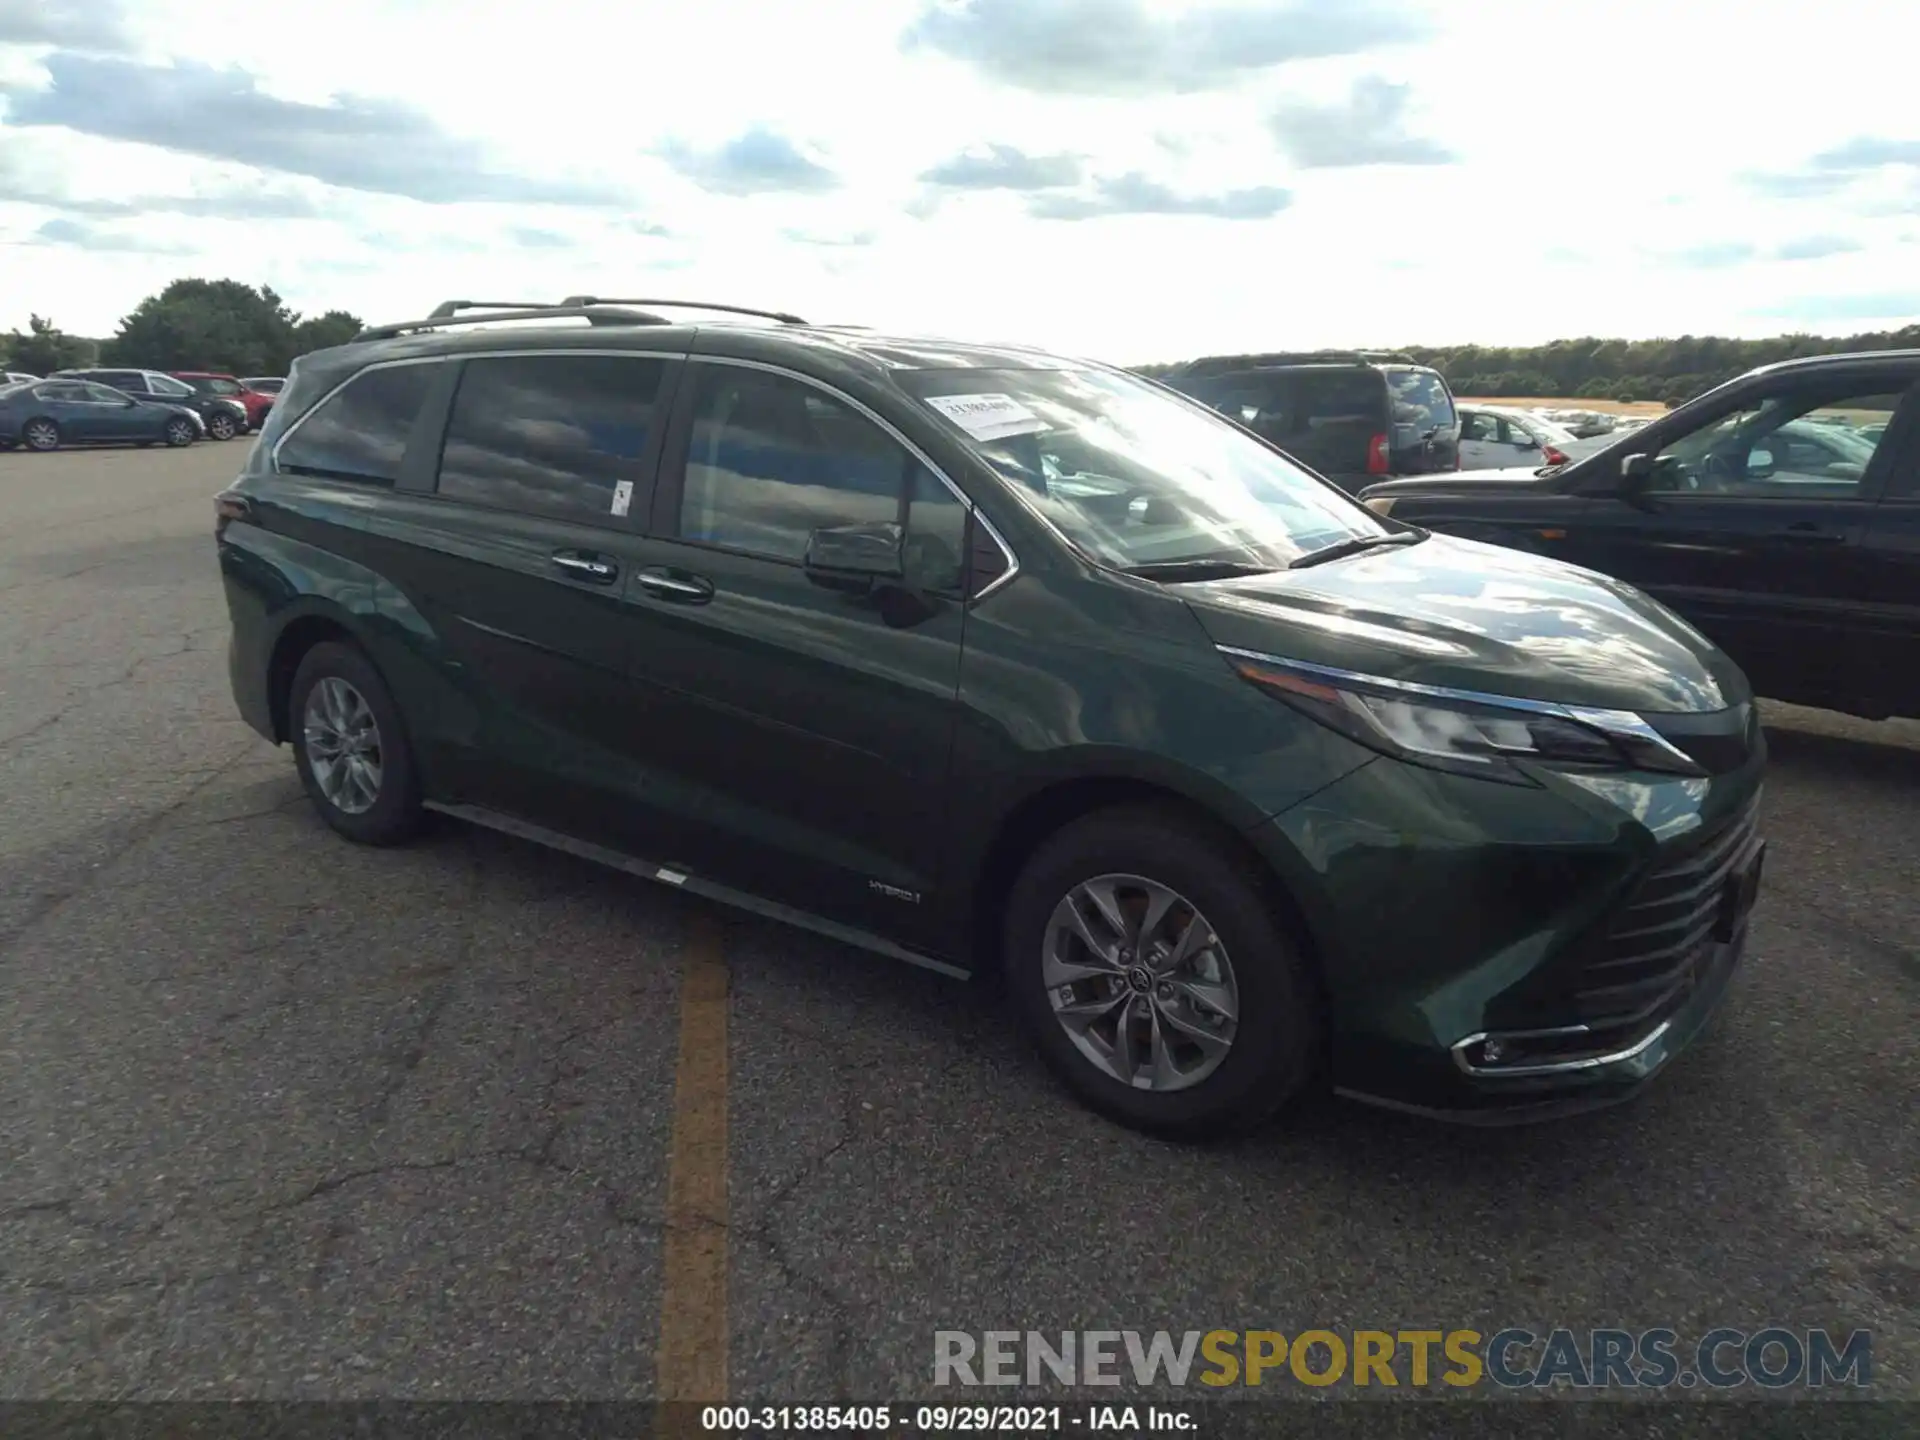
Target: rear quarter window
360	432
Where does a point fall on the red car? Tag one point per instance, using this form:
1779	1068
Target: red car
208	382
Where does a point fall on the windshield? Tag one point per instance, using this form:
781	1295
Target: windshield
1133	476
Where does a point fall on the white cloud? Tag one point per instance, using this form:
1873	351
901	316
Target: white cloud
1138	179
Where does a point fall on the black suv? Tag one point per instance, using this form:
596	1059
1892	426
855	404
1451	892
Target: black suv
1780	513
222	417
1353	415
981	658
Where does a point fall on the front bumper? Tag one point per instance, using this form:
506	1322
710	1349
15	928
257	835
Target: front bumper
1587	928
1617	1076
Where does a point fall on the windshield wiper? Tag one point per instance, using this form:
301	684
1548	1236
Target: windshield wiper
1340	549
1177	570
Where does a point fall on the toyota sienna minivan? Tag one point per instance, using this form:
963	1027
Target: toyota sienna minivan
997	662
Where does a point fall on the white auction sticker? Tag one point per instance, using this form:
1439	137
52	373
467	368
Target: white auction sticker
988	417
622	496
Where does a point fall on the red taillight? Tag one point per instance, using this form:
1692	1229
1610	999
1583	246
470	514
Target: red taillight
1377	455
1553	455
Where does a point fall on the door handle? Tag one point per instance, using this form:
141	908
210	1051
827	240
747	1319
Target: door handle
586	567
675	585
1807	533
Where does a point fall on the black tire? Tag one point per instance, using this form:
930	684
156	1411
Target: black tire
221	426
179	432
40	434
395	814
1277	1037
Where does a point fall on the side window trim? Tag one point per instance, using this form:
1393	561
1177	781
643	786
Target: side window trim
670	481
420	465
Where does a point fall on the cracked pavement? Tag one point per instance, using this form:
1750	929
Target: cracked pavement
282	1117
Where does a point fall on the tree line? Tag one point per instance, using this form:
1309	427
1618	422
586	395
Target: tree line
239	329
1670	370
218	325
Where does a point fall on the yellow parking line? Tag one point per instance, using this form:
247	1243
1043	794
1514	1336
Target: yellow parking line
692	1361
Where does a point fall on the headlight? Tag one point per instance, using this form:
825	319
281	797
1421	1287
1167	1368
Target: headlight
1464	731
1380	505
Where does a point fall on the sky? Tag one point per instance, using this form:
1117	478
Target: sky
1136	180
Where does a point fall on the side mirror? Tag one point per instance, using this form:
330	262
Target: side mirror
1524	441
1759	465
855	557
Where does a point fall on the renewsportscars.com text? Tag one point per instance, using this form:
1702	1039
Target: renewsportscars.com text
1772	1357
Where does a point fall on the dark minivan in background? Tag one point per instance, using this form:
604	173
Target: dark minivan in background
1356	416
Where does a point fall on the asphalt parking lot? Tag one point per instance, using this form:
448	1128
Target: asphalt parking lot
284	1117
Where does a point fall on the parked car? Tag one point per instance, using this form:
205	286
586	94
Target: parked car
1794	545
46	414
256	403
1584	424
224	417
1350	415
1494	438
985	659
264	384
17	377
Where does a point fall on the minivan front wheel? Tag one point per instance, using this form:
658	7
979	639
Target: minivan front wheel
350	747
1146	963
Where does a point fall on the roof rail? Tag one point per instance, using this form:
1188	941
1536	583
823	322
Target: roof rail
447	316
780	315
454	307
1221	364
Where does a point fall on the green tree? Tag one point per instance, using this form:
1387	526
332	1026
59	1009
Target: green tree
45	348
207	325
336	327
223	325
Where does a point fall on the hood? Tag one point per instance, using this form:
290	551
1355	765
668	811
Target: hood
1468	616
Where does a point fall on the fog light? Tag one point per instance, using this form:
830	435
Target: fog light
1493	1051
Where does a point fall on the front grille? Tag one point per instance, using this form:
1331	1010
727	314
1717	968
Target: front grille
1647	958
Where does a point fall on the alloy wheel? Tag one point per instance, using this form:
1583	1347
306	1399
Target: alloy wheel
221	427
179	432
41	435
342	741
1140	982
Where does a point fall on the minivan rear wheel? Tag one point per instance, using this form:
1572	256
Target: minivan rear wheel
1146	962
350	747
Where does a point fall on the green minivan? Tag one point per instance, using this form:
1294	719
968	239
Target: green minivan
1013	665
